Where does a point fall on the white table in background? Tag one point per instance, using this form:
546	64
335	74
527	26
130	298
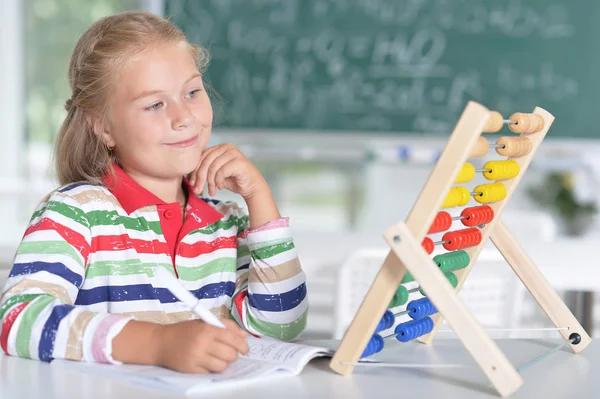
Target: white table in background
561	375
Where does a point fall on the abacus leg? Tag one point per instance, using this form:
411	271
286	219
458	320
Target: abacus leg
538	286
364	323
481	347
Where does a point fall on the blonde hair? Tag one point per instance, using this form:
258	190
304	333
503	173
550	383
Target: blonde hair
79	154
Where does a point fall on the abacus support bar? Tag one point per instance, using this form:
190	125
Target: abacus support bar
481	347
538	286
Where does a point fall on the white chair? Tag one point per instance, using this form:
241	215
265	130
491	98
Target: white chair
491	292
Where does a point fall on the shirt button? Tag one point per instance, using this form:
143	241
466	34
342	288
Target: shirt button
168	214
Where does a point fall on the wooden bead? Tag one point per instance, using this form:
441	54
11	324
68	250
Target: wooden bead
526	123
513	146
495	123
481	148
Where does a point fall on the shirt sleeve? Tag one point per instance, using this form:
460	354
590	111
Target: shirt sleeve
38	318
270	297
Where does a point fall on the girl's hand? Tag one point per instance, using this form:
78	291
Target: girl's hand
225	167
196	347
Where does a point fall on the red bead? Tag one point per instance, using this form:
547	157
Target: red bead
477	215
442	222
459	239
428	245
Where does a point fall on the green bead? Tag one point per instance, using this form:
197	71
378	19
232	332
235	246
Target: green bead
400	297
451	261
407	278
451	278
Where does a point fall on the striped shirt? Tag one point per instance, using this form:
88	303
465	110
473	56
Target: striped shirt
86	263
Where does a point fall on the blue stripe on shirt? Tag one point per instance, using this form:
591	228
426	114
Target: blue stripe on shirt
48	337
57	268
278	302
72	186
141	292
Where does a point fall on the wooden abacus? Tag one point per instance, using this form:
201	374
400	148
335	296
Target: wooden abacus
442	277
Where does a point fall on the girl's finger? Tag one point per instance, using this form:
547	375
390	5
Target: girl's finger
216	165
202	171
215	364
223	351
227	170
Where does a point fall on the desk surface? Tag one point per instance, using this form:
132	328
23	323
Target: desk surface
562	375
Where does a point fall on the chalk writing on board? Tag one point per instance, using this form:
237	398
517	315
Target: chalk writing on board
382	65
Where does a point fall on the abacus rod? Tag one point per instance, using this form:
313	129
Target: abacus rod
402	313
499	330
378	363
517	329
545	355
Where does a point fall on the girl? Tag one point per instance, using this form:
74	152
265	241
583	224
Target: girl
82	286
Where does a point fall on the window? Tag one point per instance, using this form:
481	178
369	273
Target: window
36	41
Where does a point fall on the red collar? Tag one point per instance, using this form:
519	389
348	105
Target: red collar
132	196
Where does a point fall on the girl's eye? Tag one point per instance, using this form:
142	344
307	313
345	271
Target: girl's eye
154	107
193	93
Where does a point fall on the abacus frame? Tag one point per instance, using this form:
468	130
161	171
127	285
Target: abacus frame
407	254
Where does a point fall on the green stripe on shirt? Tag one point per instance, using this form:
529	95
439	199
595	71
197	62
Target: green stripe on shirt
285	331
222	225
122	268
49	248
15	300
112	218
221	265
67	211
269	252
28	318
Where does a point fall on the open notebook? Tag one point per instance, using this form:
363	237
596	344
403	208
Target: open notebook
267	358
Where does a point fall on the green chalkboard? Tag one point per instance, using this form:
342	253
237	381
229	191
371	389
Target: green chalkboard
396	66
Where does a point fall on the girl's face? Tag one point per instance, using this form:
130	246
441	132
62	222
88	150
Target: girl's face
160	115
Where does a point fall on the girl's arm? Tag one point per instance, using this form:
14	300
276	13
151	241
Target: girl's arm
270	297
37	317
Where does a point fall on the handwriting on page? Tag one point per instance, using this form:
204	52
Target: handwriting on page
273	351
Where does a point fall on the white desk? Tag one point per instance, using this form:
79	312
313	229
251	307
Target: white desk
562	375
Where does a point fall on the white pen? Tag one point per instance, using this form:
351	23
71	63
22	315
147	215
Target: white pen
186	297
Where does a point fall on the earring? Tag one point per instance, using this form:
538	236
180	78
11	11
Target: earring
109	148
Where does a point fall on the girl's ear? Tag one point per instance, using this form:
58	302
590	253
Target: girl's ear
101	130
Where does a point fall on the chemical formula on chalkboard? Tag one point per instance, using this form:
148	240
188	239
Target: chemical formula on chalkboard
395	66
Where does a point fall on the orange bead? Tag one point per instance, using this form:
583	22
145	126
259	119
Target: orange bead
442	222
477	215
460	239
428	245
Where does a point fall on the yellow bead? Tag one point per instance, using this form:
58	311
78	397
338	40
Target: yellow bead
458	196
501	170
492	192
467	173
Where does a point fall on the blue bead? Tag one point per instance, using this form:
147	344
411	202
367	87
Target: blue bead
387	321
375	345
412	329
420	308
